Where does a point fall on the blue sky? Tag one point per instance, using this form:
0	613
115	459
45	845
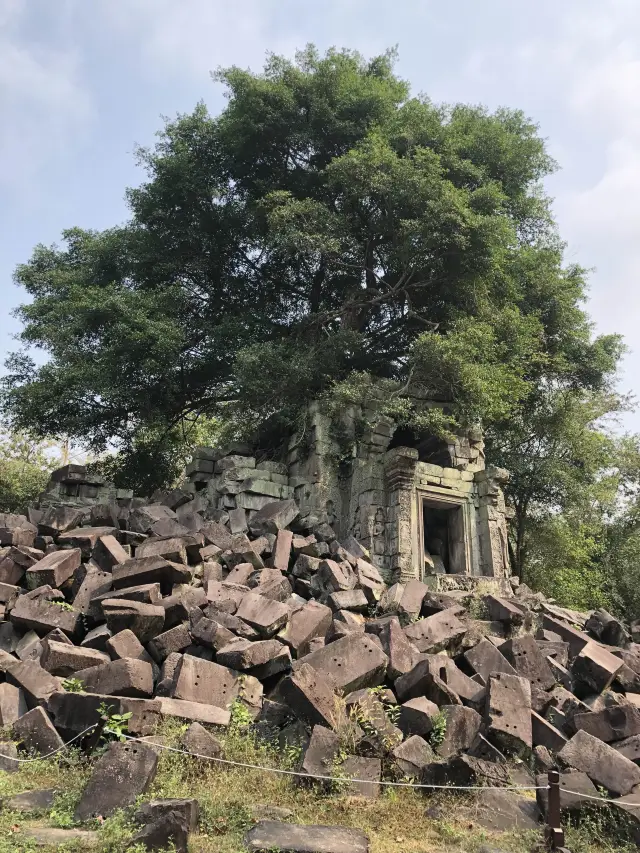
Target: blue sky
83	81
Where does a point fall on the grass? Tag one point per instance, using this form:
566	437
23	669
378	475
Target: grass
396	822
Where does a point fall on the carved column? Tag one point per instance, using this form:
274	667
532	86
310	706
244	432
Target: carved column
493	524
402	524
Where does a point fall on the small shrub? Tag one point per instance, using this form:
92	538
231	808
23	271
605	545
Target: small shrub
116	724
73	685
439	730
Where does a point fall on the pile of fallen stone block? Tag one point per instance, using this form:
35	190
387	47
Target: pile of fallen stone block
177	612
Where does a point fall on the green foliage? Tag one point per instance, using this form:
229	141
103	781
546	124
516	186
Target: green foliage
619	561
226	817
73	685
326	226
61	815
609	830
572	487
25	465
241	718
157	456
63	605
439	729
116	724
116	833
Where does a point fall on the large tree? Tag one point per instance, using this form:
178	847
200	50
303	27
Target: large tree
326	226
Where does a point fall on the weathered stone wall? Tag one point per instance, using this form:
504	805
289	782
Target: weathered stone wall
378	501
72	485
363	487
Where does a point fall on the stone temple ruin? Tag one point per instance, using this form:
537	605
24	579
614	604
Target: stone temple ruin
421	509
346	609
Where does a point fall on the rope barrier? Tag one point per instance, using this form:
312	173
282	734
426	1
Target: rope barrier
323	778
341	779
599	799
49	754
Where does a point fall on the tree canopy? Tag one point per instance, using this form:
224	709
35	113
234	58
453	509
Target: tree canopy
326	224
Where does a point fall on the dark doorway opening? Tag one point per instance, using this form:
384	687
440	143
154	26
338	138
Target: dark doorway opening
430	448
443	538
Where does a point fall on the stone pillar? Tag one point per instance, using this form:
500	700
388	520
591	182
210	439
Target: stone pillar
402	522
492	527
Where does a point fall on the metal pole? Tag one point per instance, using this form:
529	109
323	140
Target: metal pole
554	831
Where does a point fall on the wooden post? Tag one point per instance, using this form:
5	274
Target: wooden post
92	740
554	831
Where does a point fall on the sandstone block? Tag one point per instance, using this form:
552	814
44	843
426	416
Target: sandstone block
36	733
602	764
126	677
198	740
321	753
209	683
402	654
485	658
413	756
119	777
167	822
595	667
416	716
174	640
545	734
282	550
508	713
349	599
614	723
577	640
413	594
367	771
58	519
34	681
528	661
12	704
54	569
94	583
503	610
289	838
172	549
63	659
463	724
144	620
435	633
146	570
311	696
263	614
197	711
209	633
311	620
244	654
273	517
43	616
353	662
108	552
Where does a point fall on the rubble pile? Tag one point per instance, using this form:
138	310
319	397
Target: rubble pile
164	609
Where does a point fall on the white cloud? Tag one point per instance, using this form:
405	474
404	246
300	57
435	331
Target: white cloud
193	37
581	71
43	104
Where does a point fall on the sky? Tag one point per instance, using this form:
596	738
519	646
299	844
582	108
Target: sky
82	82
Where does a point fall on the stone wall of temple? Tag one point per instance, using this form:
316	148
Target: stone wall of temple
378	500
369	485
